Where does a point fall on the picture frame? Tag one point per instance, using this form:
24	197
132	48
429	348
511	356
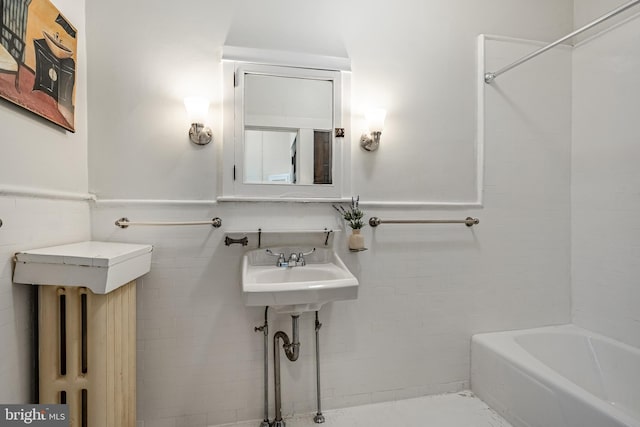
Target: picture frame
38	57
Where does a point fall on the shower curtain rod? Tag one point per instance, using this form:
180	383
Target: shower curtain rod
491	76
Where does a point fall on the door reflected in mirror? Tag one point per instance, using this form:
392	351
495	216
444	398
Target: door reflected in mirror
322	157
296	156
270	156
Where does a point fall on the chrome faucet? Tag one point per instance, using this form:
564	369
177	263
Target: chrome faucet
281	262
295	259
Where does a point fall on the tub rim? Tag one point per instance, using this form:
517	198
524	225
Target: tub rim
504	345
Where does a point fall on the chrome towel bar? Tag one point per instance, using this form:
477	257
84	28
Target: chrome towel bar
375	221
124	222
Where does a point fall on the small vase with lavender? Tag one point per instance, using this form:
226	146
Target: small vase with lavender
353	216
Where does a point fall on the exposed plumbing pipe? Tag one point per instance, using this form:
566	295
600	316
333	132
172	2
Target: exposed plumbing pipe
319	418
265	330
292	350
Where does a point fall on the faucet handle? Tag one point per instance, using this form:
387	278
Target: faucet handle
270	252
301	256
281	261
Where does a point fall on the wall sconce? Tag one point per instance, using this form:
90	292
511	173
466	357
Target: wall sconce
197	109
375	120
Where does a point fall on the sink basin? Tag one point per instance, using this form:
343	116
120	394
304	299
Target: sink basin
59	50
323	279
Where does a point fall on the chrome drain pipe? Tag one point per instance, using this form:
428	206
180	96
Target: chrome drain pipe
319	418
292	351
265	330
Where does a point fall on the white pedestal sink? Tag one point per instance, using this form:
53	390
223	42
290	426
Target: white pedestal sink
297	289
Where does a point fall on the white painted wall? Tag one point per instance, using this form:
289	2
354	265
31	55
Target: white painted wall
416	59
37	156
605	181
424	290
28	223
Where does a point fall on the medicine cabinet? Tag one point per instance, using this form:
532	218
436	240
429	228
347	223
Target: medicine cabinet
285	133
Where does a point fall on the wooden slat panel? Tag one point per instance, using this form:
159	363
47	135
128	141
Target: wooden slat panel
49	355
117	357
132	354
110	378
97	308
111	370
124	355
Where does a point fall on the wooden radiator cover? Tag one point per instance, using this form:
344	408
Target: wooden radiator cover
87	353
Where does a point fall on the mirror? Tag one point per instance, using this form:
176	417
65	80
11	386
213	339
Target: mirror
287	130
284	143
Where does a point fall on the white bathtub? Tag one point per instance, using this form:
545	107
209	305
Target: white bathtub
561	376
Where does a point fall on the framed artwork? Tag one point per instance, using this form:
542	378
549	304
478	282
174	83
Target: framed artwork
38	56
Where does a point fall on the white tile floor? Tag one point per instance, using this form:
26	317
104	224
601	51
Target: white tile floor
448	410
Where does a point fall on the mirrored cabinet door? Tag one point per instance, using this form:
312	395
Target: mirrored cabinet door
284	141
285	118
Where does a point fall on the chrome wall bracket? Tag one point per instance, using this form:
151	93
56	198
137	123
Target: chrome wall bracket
199	134
489	77
370	142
